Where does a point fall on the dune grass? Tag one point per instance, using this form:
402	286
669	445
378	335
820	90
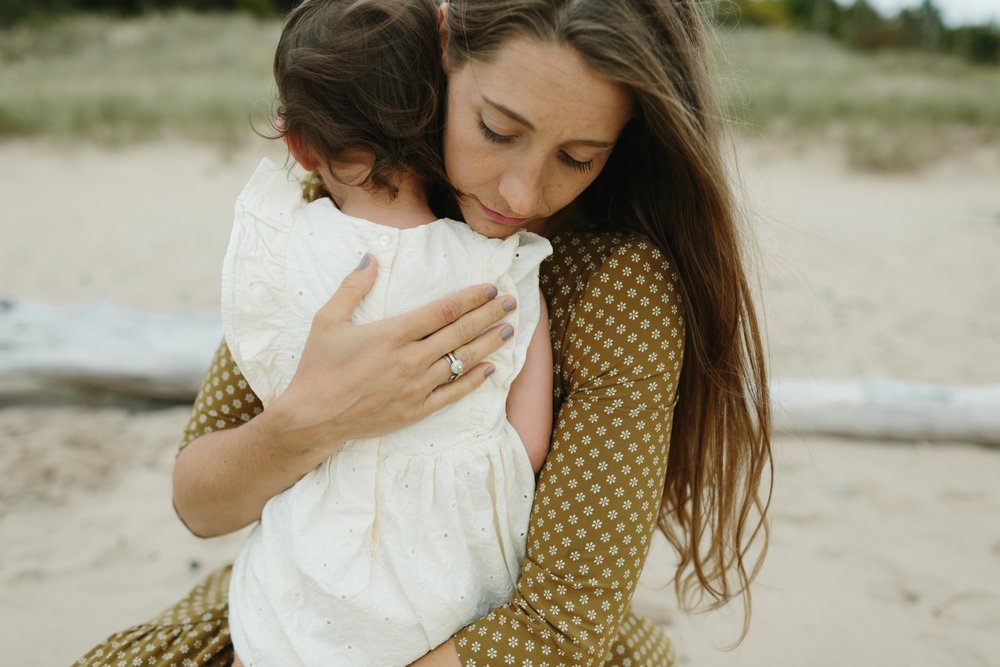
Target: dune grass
208	77
889	110
111	80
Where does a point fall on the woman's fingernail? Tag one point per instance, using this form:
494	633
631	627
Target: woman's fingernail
506	332
490	292
509	305
490	370
365	261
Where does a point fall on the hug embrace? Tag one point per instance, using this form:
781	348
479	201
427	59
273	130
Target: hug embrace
489	333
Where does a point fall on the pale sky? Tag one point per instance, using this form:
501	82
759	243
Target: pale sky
954	12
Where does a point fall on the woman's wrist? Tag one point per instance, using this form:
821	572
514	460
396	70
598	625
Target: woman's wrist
222	480
304	443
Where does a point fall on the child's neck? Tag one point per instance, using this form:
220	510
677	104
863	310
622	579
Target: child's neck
409	208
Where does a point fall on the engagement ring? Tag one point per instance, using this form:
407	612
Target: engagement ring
457	366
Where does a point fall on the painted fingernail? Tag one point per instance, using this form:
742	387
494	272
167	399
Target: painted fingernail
509	305
490	292
506	332
365	261
490	370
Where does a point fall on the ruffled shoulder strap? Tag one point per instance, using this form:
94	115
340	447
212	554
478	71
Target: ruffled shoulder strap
531	250
518	256
254	272
515	261
271	196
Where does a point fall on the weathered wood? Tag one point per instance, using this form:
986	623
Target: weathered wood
47	350
876	408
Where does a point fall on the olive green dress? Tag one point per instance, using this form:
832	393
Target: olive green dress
617	334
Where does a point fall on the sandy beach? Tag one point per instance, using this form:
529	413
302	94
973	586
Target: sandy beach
882	553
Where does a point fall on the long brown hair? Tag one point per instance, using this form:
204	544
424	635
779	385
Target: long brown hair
666	180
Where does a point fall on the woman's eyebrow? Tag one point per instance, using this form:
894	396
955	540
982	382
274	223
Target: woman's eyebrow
513	115
509	113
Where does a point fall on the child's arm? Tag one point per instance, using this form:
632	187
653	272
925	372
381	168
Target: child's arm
529	402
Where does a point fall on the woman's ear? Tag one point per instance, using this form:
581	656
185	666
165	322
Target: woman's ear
300	152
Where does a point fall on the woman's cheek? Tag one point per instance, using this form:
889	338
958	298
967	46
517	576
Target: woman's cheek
469	163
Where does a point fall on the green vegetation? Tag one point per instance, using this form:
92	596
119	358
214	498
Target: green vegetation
861	27
890	109
109	80
16	11
208	77
856	23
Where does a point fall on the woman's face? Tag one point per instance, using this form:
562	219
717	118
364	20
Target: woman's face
527	133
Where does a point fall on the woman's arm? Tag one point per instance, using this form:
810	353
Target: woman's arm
352	381
599	493
529	401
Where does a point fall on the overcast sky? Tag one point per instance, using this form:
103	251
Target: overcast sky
954	12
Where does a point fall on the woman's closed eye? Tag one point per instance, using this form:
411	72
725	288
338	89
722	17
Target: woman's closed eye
491	135
583	166
495	137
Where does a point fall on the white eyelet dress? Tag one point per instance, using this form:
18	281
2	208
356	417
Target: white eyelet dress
395	543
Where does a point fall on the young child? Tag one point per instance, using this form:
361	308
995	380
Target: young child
394	543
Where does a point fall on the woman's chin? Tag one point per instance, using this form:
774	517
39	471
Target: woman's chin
489	228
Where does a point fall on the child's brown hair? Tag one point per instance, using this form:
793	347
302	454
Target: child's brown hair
364	75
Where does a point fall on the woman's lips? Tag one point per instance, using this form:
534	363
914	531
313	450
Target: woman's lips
500	218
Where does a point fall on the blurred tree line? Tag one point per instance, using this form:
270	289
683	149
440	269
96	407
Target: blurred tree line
855	23
14	11
860	26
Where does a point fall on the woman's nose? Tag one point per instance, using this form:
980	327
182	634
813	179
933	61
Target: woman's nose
522	189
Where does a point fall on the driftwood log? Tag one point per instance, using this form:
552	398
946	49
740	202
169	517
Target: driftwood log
48	350
876	408
51	350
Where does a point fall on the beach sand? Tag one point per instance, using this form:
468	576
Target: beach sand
882	553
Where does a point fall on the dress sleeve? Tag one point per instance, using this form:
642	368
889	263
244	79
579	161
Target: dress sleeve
599	493
225	400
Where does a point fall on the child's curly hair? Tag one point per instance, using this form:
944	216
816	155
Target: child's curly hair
364	74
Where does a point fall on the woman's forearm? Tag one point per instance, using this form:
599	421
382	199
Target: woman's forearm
352	382
223	479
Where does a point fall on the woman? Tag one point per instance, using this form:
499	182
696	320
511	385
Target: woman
592	120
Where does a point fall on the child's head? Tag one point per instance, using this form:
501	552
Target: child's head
363	78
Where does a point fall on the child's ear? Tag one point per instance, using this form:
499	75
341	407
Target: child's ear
300	152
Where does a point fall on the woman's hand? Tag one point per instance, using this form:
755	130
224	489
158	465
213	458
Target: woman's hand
352	382
364	381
